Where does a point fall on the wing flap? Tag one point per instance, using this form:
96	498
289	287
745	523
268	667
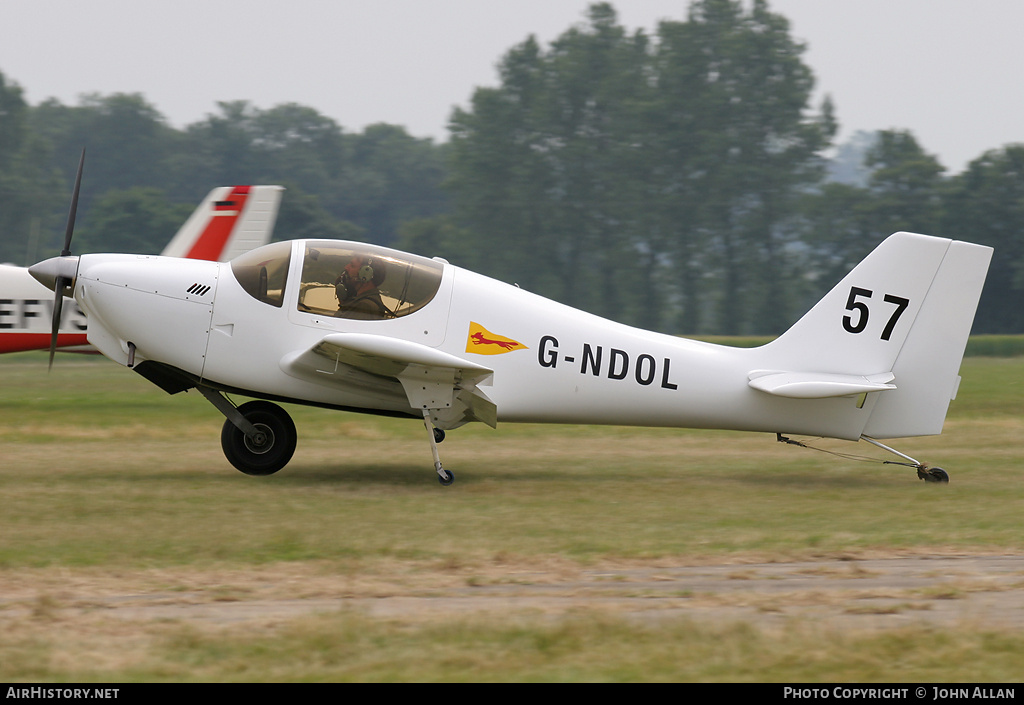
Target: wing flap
393	357
431	379
818	385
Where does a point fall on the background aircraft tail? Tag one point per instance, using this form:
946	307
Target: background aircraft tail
901	319
229	222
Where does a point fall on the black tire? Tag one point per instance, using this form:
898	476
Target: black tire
280	435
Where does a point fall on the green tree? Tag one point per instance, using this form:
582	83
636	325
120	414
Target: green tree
13	126
897	187
537	167
127	140
758	151
14	190
592	76
27	186
673	183
498	177
437	236
905	184
303	215
388	177
137	220
836	226
602	164
373	180
223	149
298	146
985	204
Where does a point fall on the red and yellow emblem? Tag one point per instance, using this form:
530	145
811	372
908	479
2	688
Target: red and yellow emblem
483	342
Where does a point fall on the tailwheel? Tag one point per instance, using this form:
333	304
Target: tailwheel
266	450
923	471
932	474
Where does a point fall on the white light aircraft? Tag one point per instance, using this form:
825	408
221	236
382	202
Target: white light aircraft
362	328
228	222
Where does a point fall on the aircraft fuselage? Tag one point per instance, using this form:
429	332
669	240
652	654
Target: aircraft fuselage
550	363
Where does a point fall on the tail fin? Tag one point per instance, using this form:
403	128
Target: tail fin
902	316
229	221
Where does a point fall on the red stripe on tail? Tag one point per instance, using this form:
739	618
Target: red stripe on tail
223	220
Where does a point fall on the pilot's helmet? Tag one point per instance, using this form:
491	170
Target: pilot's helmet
360	275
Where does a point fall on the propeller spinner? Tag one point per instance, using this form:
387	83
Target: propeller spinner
58	273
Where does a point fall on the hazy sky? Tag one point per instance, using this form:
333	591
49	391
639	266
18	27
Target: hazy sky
944	69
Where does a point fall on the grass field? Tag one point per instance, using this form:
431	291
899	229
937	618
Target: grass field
111	488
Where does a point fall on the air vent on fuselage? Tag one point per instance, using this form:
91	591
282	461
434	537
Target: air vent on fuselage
198	289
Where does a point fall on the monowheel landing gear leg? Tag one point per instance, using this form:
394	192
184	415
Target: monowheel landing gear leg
923	471
258	437
445	477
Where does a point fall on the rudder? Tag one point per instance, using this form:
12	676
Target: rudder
927	369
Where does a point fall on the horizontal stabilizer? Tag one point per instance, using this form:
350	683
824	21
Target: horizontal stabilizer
818	385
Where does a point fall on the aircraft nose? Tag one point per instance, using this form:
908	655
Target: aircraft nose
50	270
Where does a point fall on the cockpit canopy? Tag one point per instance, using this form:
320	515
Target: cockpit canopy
342	279
263	272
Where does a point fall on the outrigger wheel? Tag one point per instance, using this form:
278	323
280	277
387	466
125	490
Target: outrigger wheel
445	477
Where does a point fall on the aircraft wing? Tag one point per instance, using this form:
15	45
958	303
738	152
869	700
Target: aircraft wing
818	385
431	379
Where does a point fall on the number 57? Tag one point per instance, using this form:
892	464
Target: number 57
863	312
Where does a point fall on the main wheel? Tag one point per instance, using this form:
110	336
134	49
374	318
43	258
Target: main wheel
937	475
267	453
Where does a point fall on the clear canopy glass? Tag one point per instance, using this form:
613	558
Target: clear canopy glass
352	280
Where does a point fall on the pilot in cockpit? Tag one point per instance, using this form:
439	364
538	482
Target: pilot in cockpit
358	289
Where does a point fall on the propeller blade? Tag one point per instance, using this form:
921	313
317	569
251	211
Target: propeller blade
72	212
61	282
58	305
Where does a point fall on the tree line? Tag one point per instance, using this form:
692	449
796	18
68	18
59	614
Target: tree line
143	177
678	180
